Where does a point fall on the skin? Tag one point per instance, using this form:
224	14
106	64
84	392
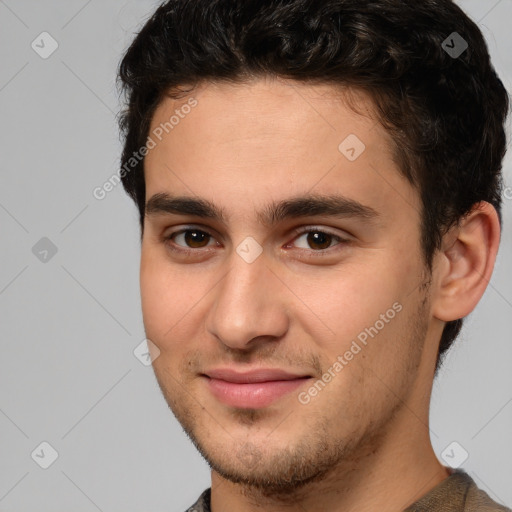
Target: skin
363	442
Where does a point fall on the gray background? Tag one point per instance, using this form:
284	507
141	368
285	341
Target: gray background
69	324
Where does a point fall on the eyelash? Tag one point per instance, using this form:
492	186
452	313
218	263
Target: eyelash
297	233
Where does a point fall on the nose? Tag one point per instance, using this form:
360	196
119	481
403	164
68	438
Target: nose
249	304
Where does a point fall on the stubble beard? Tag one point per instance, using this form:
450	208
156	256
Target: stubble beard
314	457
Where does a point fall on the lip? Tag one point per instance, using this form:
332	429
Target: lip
254	389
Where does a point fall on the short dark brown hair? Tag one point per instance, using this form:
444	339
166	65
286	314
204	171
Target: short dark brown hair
445	113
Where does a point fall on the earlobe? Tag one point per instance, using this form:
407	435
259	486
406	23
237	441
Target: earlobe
466	263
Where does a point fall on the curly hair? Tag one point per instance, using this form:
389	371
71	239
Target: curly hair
445	115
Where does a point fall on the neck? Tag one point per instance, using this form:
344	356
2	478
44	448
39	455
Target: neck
388	473
389	479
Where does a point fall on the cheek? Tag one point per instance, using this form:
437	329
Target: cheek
345	302
170	299
160	295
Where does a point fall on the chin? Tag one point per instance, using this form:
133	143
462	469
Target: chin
269	469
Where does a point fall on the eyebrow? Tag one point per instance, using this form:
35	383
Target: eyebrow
302	206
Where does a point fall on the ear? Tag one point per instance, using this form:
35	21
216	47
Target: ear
465	263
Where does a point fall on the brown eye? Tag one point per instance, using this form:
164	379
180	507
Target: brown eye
192	238
318	240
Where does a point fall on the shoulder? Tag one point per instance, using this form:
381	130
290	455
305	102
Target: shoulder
477	500
202	504
457	493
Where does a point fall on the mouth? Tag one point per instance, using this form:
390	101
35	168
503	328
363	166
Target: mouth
252	390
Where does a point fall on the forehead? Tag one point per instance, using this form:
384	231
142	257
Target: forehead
260	106
271	138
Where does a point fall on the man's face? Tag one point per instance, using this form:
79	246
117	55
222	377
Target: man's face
252	295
